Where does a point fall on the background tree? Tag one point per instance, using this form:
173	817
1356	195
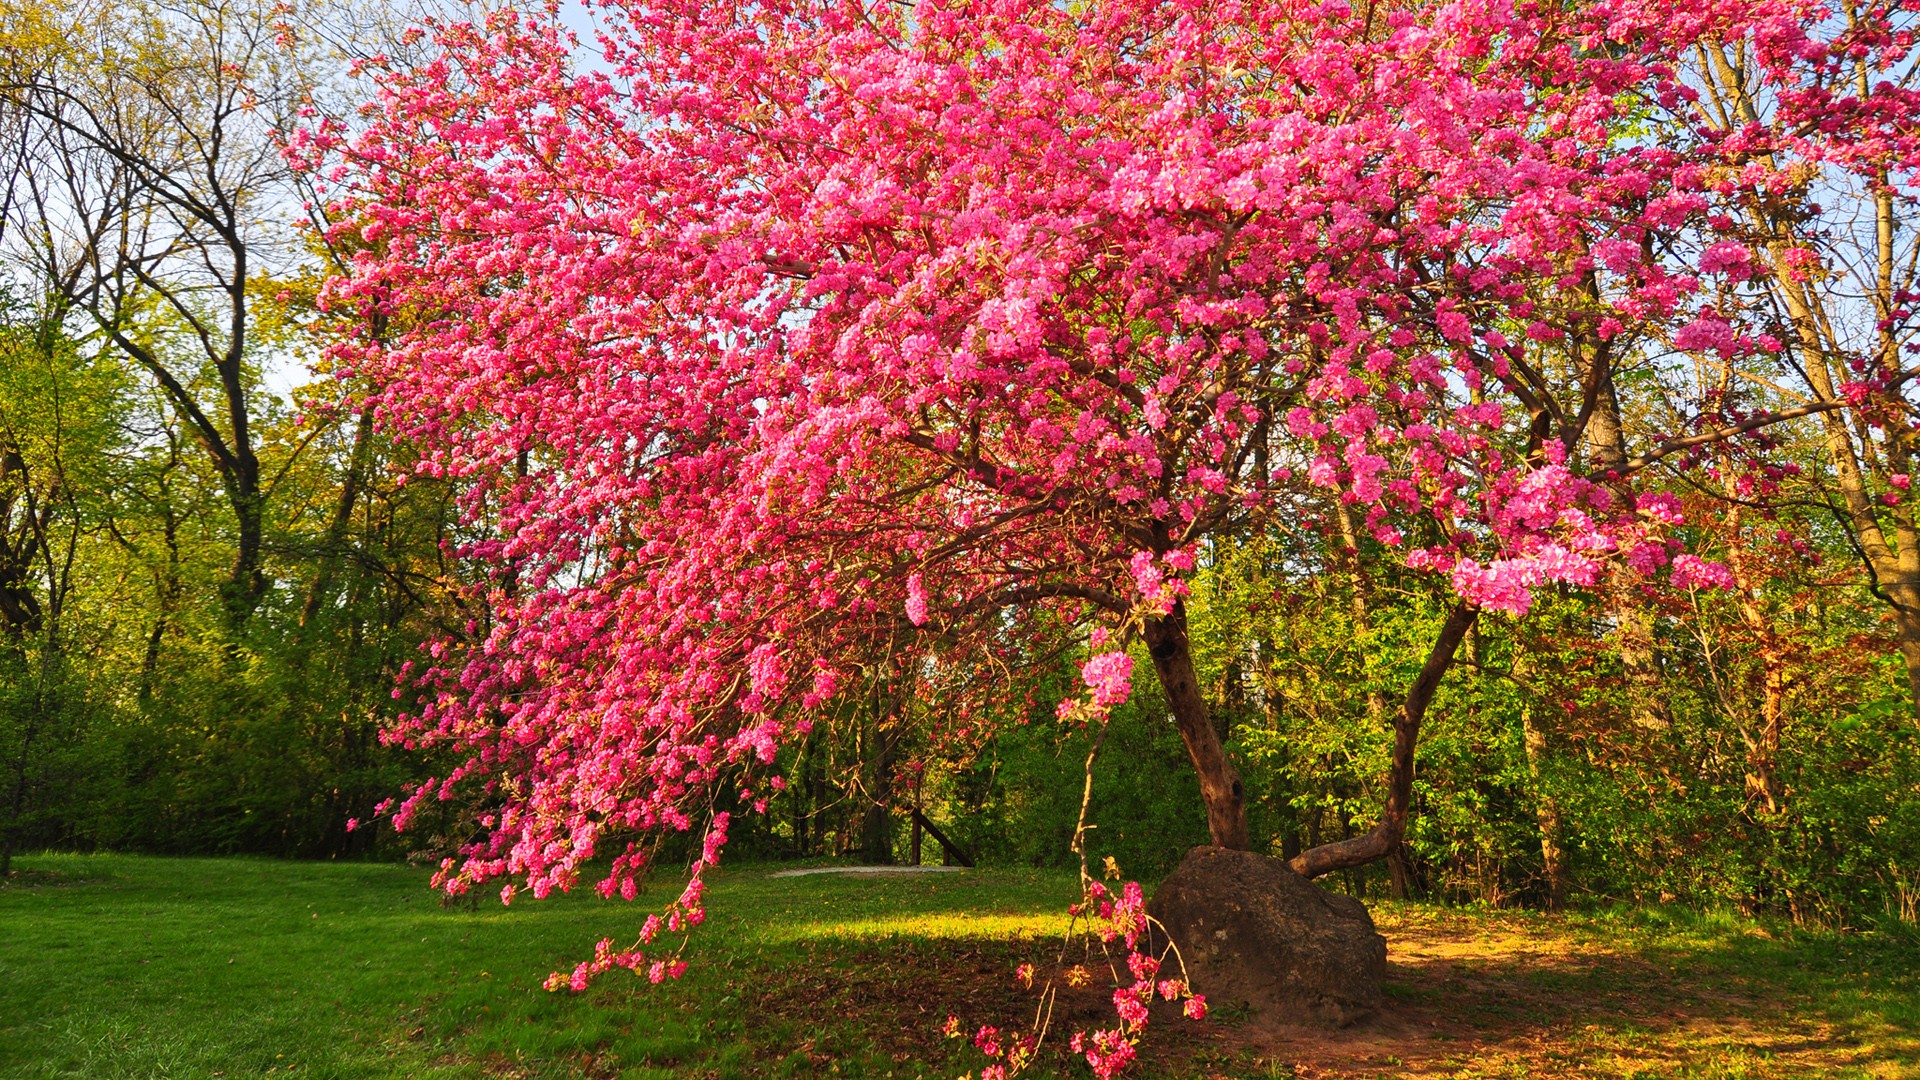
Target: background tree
251	577
59	430
147	185
1807	230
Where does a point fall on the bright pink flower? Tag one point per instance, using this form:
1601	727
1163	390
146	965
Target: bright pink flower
916	600
1109	675
1691	571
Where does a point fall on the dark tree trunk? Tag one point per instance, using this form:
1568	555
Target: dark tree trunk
1385	837
876	826
335	545
1546	812
1220	786
1399	873
17	798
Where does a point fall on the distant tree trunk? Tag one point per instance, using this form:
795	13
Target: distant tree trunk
19	545
913	846
1546	811
167	590
802	797
1763	745
1605	434
334	546
1220	787
17	797
1399	873
1383	838
876	829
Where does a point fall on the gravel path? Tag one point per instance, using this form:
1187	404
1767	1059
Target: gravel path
867	870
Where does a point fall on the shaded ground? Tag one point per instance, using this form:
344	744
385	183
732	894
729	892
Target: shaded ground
1500	994
128	967
1470	994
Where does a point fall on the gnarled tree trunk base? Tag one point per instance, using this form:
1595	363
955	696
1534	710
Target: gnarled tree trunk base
1252	930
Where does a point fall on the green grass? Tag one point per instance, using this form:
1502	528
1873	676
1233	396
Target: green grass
147	967
119	966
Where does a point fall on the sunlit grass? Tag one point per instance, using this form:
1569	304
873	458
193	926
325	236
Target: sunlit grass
144	967
118	966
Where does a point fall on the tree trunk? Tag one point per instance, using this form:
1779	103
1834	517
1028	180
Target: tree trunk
1399	873
1220	787
1546	812
1763	746
1383	838
334	547
17	798
1891	556
876	826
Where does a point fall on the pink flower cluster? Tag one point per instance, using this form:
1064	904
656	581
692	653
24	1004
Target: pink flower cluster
1111	920
1123	919
1109	675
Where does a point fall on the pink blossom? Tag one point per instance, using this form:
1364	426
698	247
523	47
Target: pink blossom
1661	507
800	311
916	600
1728	257
1691	571
1109	675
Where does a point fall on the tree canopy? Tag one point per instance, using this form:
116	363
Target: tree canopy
805	350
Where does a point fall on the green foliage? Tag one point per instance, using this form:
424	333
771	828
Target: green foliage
1642	786
133	714
1021	800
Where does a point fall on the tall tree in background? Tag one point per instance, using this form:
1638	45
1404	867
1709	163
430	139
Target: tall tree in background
1807	137
60	431
145	199
252	577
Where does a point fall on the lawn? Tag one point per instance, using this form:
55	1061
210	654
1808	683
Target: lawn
118	966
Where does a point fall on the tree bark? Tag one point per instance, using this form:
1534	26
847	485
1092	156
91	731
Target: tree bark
1546	811
1763	746
1605	433
876	826
1220	787
1383	838
336	542
1891	555
17	799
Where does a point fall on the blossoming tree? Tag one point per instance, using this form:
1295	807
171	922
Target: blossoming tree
799	345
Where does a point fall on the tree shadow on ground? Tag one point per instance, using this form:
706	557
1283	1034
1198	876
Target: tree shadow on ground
1469	994
1516	994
